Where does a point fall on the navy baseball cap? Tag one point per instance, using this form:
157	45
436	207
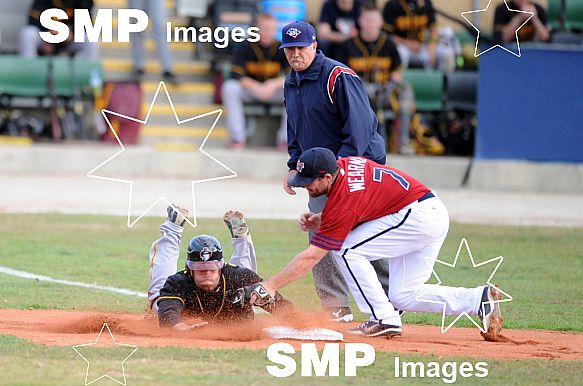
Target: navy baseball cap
313	164
297	34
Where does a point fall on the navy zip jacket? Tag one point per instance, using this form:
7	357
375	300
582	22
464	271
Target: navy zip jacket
329	108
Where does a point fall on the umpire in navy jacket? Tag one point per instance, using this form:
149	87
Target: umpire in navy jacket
327	106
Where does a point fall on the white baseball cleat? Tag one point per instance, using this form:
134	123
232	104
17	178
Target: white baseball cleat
177	214
236	223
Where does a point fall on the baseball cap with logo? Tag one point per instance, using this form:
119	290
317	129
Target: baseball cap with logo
312	164
297	34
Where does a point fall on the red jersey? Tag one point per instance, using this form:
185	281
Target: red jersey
363	191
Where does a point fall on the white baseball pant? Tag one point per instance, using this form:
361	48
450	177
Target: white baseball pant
411	240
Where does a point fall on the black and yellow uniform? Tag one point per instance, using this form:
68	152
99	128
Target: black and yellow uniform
180	296
260	63
409	19
339	21
374	61
502	17
69	6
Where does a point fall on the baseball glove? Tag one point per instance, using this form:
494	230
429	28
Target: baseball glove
243	295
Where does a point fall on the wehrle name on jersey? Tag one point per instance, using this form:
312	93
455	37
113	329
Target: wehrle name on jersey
356	174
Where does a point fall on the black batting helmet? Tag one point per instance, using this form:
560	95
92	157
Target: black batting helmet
204	253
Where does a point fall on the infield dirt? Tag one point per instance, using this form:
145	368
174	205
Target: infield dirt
68	328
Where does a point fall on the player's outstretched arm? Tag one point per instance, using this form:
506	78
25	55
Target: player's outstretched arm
298	267
243	248
171	301
165	251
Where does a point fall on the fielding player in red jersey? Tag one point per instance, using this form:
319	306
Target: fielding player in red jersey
373	212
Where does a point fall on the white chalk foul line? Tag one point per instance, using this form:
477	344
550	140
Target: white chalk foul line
34	276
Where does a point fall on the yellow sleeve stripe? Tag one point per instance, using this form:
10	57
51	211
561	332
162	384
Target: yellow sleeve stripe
171	297
155	247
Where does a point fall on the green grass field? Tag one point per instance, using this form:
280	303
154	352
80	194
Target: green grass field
542	270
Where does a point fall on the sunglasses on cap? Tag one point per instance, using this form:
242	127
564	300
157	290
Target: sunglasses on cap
211	265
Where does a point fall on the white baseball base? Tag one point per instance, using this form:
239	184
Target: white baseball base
284	332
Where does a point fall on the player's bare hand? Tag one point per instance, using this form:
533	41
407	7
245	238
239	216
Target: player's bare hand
309	221
183	327
528	8
286	186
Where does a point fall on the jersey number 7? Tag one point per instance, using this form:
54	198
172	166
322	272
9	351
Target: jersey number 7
379	172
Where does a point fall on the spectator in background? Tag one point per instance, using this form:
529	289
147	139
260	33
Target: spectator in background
374	57
257	75
506	22
156	10
31	43
408	21
338	23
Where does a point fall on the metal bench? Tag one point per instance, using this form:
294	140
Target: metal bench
24	85
461	91
429	88
262	123
27	78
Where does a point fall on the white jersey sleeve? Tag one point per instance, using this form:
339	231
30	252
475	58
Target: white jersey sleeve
244	253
